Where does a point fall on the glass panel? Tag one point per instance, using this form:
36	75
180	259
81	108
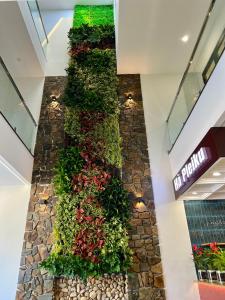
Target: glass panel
207	54
36	15
14	110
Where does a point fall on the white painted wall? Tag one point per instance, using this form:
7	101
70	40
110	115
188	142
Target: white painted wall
52	17
69	4
13	209
158	93
32	31
14	152
57	51
207	112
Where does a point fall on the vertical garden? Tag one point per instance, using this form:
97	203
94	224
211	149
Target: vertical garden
92	211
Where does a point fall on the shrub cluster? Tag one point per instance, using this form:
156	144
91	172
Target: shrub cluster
88	37
92	212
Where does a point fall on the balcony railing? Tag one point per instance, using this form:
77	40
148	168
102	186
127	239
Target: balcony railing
206	54
14	109
38	22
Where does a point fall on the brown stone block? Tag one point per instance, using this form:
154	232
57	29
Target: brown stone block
146	293
141	254
135	237
140	230
144	215
136	222
135	267
157	268
158	281
147	230
139	243
143	279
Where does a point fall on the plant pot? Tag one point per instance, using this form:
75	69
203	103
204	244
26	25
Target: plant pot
220	277
202	275
212	276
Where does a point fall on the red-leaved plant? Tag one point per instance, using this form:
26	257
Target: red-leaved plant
90	239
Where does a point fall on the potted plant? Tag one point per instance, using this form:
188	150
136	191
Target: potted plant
200	262
210	255
219	265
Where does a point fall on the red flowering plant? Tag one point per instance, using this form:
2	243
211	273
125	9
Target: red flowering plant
199	257
205	257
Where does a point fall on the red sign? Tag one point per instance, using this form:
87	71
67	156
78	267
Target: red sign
209	150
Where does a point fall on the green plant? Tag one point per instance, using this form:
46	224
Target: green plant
219	261
116	255
70	265
108	141
72	124
115	201
88	90
93	15
92	211
69	163
98	61
89	37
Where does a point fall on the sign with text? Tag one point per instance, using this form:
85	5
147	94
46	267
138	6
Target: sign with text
209	150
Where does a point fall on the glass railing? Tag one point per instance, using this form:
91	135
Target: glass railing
205	56
38	22
14	109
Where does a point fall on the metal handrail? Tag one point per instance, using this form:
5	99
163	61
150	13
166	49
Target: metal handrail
191	59
39	12
17	91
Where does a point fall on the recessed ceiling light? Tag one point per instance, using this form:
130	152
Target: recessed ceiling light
194	193
185	38
216	174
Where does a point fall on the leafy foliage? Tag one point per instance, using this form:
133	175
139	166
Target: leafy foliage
89	37
92	212
69	163
72	124
89	89
107	138
115	201
93	15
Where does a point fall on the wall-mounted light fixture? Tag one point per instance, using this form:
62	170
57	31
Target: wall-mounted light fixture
53	97
139	202
130	103
129	96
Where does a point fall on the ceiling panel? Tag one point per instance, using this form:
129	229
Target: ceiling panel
149	34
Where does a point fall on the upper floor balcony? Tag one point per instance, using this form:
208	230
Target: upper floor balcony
207	52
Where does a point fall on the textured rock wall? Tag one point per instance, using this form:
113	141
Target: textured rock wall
106	288
34	283
146	279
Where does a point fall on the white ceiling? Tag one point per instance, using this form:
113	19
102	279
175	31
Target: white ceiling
149	32
69	4
208	186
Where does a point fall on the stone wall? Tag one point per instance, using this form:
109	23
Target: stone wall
146	279
106	288
34	283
